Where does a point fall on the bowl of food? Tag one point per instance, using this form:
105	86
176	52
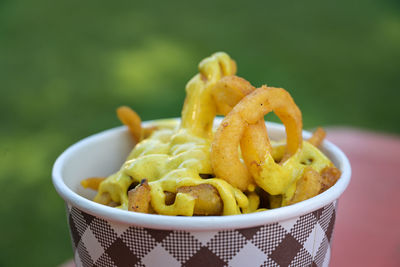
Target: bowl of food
201	189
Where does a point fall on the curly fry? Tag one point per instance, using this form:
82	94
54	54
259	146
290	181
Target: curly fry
250	110
317	137
228	91
255	141
132	120
199	108
192	171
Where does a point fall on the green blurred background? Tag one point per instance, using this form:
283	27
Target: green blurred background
66	65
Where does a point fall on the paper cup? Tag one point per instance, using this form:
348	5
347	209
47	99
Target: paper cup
296	235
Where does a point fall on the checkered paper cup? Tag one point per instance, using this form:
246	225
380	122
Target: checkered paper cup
296	235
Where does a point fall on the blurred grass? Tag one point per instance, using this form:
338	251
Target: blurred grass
66	65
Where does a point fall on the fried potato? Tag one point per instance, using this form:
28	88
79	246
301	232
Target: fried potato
139	198
208	201
308	186
329	176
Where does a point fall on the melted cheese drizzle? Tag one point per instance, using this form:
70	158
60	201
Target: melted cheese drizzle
171	158
294	167
175	155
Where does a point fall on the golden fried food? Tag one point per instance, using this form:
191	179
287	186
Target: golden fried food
188	167
92	182
308	156
228	91
329	176
199	109
132	120
317	137
255	141
308	186
207	198
173	157
267	174
139	198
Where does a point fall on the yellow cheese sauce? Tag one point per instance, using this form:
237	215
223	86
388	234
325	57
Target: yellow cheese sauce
169	159
176	154
292	169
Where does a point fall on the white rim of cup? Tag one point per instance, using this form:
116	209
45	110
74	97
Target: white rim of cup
206	223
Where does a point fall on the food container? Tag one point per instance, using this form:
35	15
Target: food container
296	235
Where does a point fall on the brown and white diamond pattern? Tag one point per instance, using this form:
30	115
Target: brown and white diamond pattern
83	255
226	244
139	241
103	232
268	237
301	241
302	258
306	241
182	245
302	229
323	253
269	263
325	219
104	260
243	256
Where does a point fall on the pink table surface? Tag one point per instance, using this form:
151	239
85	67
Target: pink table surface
367	230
